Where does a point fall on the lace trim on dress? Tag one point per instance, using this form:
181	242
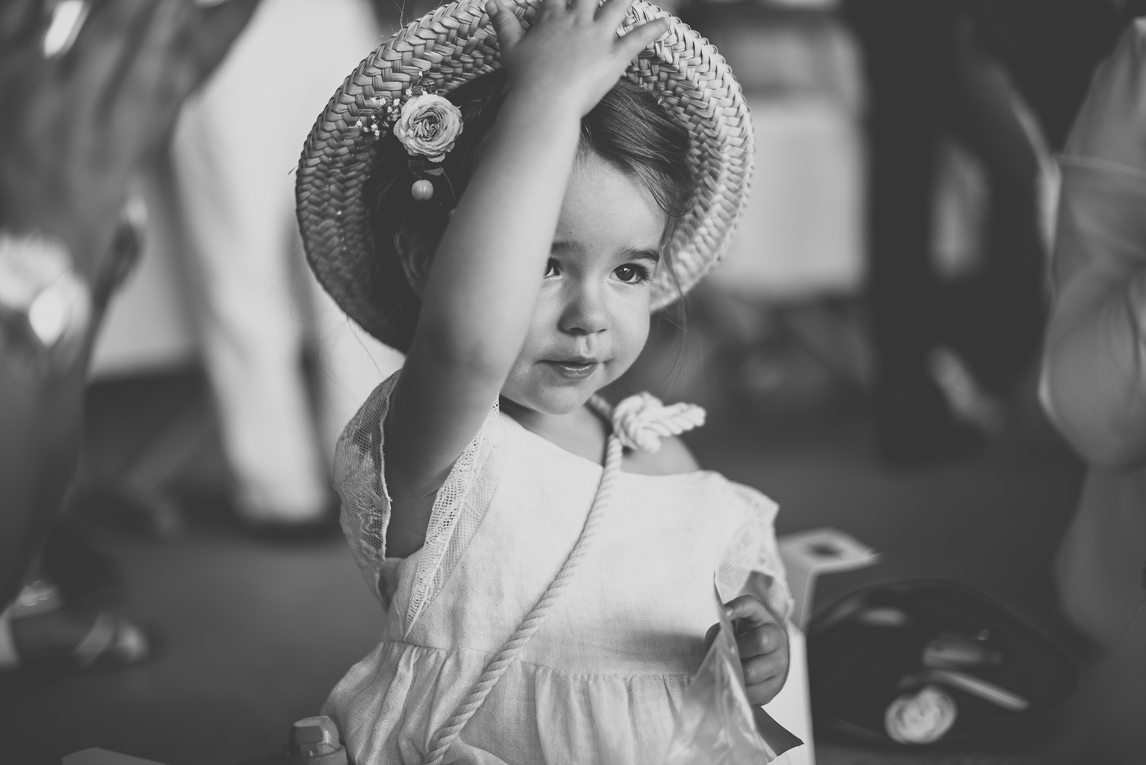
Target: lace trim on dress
358	479
458	509
460	504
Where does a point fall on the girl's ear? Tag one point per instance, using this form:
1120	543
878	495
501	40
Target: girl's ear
415	258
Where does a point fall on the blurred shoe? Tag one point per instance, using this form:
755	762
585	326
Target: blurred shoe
40	633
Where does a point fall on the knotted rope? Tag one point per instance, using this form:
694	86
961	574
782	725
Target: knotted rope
641	421
638	422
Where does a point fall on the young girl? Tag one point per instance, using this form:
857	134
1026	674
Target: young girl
509	212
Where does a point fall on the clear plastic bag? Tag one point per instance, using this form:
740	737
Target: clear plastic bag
716	725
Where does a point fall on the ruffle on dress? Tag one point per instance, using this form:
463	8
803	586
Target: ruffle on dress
410	691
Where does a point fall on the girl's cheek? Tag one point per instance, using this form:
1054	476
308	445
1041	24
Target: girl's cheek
636	331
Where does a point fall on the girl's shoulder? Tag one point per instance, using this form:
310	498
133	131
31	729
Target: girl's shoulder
672	458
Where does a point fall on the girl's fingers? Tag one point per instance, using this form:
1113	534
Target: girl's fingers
747	613
765	669
710	636
641	37
550	7
505	24
612	12
585	8
761	641
760	694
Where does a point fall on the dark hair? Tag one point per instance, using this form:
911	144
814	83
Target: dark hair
629	129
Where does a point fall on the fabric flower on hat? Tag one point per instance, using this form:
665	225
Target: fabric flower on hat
428	126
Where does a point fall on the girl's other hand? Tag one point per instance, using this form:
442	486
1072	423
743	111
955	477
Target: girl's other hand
763	644
572	51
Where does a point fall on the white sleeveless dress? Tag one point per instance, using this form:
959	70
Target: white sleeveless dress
602	678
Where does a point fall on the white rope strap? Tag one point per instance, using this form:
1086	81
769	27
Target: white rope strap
449	732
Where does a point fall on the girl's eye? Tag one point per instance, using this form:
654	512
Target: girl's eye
632	274
551	268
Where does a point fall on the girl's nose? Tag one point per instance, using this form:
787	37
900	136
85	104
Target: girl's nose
585	312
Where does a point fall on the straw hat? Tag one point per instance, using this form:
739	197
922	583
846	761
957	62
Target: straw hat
453	45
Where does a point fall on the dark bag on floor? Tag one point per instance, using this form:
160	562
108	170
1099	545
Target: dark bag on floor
930	663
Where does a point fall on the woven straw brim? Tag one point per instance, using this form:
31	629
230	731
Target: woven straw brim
453	45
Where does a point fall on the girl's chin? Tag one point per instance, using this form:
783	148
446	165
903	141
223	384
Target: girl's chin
564	400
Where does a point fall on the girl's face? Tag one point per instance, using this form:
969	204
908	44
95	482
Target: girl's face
592	316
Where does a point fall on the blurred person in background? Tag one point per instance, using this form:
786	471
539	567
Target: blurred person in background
775	310
1094	389
949	351
233	153
89	93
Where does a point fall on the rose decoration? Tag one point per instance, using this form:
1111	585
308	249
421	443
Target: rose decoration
428	126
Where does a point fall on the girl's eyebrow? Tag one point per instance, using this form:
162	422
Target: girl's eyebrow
653	255
561	246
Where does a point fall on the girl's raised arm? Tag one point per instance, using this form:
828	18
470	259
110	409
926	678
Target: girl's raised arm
480	295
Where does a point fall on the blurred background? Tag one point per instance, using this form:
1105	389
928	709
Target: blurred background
868	353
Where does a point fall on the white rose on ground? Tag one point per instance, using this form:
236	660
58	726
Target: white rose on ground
922	717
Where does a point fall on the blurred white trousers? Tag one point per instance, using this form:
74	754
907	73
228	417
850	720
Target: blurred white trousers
234	153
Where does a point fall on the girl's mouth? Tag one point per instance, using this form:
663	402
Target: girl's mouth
573	369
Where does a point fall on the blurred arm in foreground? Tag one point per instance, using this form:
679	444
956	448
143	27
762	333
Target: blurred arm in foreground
1095	351
80	115
1094	387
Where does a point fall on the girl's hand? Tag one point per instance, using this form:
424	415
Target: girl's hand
571	52
763	645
